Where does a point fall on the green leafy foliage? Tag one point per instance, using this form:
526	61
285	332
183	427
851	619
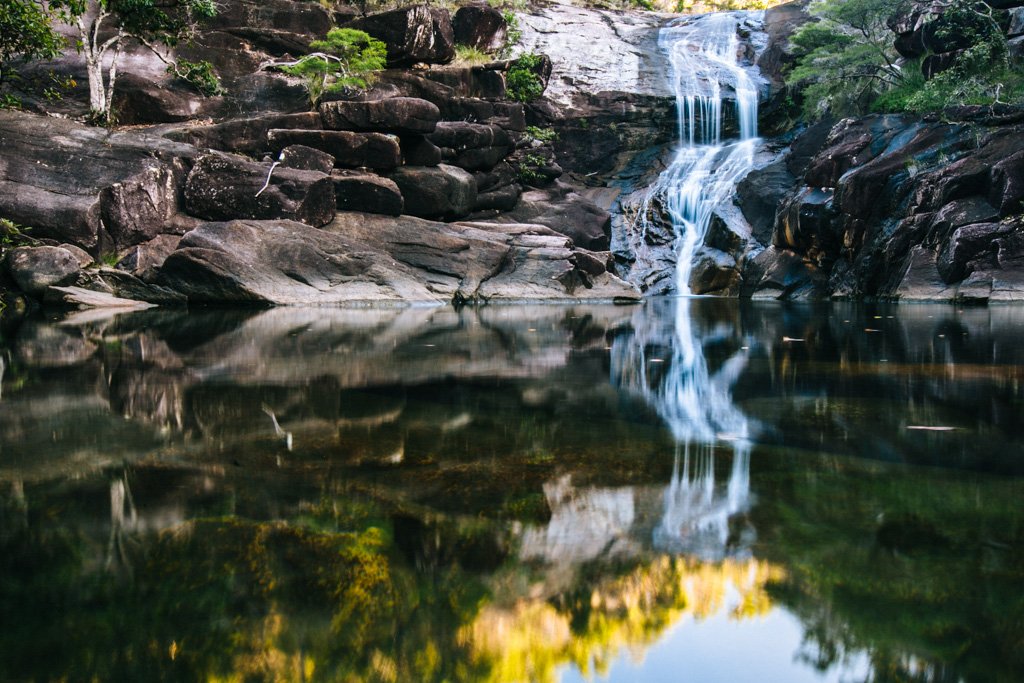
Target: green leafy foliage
346	60
26	31
200	75
847	58
847	63
513	33
542	134
522	82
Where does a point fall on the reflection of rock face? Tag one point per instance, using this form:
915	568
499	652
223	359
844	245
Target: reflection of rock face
585	524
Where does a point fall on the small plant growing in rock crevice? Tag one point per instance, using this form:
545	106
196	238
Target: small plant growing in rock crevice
200	75
346	59
522	82
470	56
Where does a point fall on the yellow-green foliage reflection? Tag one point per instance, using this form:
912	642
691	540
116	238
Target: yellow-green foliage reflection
532	638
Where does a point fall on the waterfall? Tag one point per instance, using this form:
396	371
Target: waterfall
704	56
697	407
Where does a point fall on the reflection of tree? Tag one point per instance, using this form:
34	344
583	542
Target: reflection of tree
604	615
920	570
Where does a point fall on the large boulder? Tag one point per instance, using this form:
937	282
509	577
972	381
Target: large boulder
285	262
350	150
225	187
394	115
98	190
35	269
362	258
480	26
139	100
471	146
561	208
368	193
245	136
412	34
445	192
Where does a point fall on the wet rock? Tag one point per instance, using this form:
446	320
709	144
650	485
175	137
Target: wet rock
956	260
922	281
412	34
781	274
225	187
366	192
306	159
480	26
350	150
443	191
714	272
87	186
760	194
36	268
396	115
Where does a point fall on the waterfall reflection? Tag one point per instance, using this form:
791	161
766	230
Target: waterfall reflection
700	516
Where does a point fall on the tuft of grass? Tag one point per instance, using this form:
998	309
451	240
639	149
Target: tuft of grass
467	55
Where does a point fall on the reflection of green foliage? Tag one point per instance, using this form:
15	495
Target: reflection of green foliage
910	563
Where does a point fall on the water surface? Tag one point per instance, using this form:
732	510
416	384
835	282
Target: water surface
690	489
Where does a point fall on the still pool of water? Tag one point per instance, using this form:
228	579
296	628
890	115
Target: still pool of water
687	490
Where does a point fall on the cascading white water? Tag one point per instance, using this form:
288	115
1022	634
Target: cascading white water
697	407
704	55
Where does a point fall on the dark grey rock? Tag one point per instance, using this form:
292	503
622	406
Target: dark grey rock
366	192
36	268
412	34
395	115
306	159
350	150
480	26
439	192
87	186
225	187
419	151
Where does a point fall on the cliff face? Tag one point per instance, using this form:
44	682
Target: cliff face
409	191
898	207
902	207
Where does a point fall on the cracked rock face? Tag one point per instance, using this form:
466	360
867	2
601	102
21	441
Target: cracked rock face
629	59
